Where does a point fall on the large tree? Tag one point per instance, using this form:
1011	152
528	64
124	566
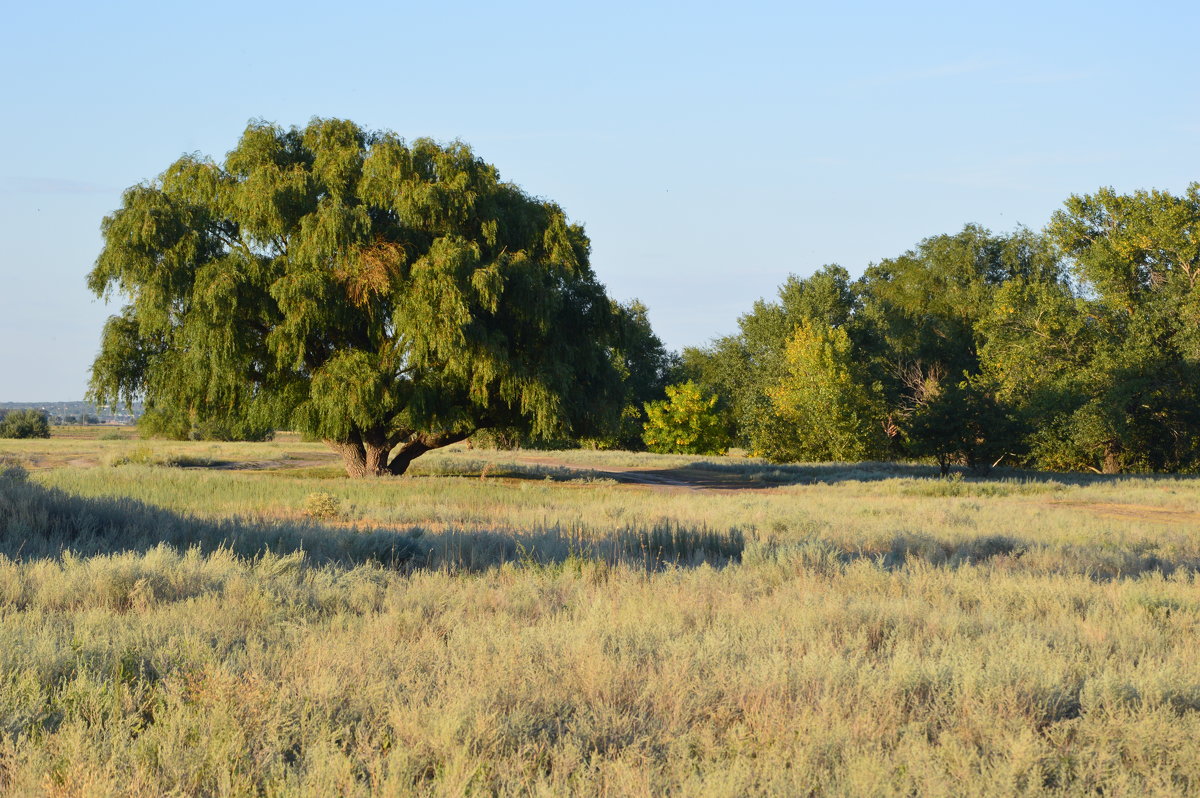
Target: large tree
922	309
1107	364
388	298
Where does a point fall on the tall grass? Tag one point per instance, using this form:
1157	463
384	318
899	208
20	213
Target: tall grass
189	632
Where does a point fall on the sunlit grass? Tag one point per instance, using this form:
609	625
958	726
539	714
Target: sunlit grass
506	623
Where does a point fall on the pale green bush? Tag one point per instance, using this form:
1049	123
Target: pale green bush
322	506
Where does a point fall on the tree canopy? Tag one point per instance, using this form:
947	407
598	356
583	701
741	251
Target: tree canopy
1106	365
386	297
390	298
1074	348
826	398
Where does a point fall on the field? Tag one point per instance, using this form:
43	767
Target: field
239	619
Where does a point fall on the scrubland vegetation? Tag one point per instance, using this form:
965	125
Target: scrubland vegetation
588	623
204	617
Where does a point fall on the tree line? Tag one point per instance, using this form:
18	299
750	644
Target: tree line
390	297
1073	348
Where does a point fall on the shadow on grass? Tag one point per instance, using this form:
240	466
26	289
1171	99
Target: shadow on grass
710	474
1103	562
39	522
726	474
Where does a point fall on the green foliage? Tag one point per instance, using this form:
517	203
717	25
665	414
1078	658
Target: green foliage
906	318
1105	366
146	456
716	369
684	422
1076	349
744	369
833	412
504	439
356	288
646	368
28	423
922	307
174	423
961	423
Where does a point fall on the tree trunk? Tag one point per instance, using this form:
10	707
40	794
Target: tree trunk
420	443
1112	459
365	454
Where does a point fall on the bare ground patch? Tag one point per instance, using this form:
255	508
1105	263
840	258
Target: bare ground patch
1133	512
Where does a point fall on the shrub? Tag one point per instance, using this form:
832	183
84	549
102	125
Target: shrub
323	506
139	455
25	424
156	422
962	423
684	423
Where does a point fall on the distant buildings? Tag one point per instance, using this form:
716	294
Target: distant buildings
77	412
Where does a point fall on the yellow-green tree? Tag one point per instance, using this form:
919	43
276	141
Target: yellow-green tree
686	422
832	412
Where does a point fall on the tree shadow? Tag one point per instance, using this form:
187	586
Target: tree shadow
714	475
38	522
1102	563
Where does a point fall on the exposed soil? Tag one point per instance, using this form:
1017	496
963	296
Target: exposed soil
1134	512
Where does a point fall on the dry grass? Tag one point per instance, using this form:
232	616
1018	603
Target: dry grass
856	630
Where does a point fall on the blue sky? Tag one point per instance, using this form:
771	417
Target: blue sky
710	149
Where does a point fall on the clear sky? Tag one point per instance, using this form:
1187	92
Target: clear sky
710	149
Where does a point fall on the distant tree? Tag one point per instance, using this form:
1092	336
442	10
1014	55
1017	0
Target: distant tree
27	423
646	368
923	306
743	369
921	313
684	423
386	298
719	369
827	400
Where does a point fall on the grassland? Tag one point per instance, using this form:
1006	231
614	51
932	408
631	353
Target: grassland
172	622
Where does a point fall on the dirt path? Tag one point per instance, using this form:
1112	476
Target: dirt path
1133	512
